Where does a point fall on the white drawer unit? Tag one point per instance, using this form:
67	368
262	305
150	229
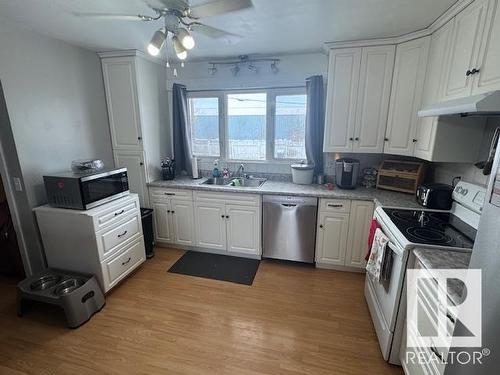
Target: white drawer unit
160	194
91	241
335	205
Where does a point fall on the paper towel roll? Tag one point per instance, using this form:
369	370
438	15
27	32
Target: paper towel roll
194	166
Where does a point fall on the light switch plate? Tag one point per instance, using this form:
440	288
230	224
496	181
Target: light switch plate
18	186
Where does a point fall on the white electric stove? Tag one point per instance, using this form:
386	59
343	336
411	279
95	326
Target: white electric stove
453	230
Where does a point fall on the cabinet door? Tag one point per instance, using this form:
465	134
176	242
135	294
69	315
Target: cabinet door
342	89
488	78
467	32
136	169
359	226
332	238
210	225
377	64
243	229
163	225
433	90
183	222
120	83
406	96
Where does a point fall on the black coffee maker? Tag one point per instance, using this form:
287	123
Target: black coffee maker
346	173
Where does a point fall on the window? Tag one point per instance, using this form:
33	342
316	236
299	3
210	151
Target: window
246	126
290	127
251	125
204	119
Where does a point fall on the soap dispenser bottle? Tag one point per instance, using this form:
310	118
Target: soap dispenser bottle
215	171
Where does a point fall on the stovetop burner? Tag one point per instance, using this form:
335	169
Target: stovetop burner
432	228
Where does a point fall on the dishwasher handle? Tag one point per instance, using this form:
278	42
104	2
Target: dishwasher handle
288	205
289	201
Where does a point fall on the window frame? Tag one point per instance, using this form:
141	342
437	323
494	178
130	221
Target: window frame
271	94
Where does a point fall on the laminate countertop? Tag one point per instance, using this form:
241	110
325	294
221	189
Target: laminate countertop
384	198
442	259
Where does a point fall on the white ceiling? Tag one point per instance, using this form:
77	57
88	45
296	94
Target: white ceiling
271	27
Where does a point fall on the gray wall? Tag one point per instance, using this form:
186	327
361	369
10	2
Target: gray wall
55	100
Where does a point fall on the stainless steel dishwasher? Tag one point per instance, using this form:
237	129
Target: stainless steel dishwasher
289	227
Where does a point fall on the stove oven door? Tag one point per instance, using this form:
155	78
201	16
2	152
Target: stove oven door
383	298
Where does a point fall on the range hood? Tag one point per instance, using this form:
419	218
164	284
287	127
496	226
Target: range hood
487	104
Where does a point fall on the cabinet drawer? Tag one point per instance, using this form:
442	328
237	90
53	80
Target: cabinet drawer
119	266
335	205
241	199
116	212
159	194
119	234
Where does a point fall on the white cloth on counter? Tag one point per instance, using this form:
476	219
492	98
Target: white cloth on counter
375	263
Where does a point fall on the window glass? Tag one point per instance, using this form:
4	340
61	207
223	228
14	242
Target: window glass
204	120
246	126
289	127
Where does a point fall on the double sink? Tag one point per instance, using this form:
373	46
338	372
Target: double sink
249	182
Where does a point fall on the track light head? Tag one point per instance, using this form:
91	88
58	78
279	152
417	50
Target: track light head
157	42
180	51
274	67
212	70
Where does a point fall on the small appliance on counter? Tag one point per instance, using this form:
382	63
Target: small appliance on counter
86	190
369	177
346	173
77	294
435	196
302	173
168	169
400	175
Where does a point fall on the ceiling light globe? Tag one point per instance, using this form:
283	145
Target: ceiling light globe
157	42
182	55
185	38
152	50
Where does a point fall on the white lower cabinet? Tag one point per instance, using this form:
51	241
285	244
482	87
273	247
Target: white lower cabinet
210	219
173	216
332	238
243	229
342	233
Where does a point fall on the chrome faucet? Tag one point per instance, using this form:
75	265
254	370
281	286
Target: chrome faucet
240	172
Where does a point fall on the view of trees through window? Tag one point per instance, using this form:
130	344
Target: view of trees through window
248	118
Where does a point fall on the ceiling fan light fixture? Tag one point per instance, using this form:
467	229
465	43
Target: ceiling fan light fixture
157	42
185	38
180	51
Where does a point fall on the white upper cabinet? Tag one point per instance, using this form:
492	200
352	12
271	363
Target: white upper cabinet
433	89
136	169
465	43
342	91
374	91
488	78
406	95
120	80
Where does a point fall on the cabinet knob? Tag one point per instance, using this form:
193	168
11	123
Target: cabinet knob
356	139
468	72
321	226
168	211
141	163
386	139
173	212
227	216
222	216
414	140
139	138
351	139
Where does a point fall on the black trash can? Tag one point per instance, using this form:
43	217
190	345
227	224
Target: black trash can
147	229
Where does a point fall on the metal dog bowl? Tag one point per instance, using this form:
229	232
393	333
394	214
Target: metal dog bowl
45	282
67	286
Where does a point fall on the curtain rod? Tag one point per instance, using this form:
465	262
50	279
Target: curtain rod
250	88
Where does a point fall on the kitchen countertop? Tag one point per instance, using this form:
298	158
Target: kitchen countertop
442	259
380	197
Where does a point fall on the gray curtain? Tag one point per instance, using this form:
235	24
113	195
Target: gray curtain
315	123
181	130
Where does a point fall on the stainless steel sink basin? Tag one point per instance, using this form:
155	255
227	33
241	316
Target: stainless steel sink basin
250	182
217	181
247	182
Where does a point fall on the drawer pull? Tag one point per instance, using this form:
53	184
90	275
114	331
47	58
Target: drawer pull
335	205
435	351
123	234
119	213
127	261
169	193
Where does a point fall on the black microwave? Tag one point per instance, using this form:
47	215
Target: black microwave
82	191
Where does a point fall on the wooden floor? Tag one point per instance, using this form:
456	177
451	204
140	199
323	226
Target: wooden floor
293	320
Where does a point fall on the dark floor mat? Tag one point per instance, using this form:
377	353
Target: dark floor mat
218	267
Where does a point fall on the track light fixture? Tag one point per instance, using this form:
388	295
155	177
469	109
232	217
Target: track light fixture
235	70
212	70
157	42
274	67
252	64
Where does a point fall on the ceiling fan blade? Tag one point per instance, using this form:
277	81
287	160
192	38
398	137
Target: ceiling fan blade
114	16
217	7
215	33
172	4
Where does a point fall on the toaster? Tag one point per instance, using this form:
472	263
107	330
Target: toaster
435	196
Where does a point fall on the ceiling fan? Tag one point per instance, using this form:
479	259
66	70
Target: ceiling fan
180	20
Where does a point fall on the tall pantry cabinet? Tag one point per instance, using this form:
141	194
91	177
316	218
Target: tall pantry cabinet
136	96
